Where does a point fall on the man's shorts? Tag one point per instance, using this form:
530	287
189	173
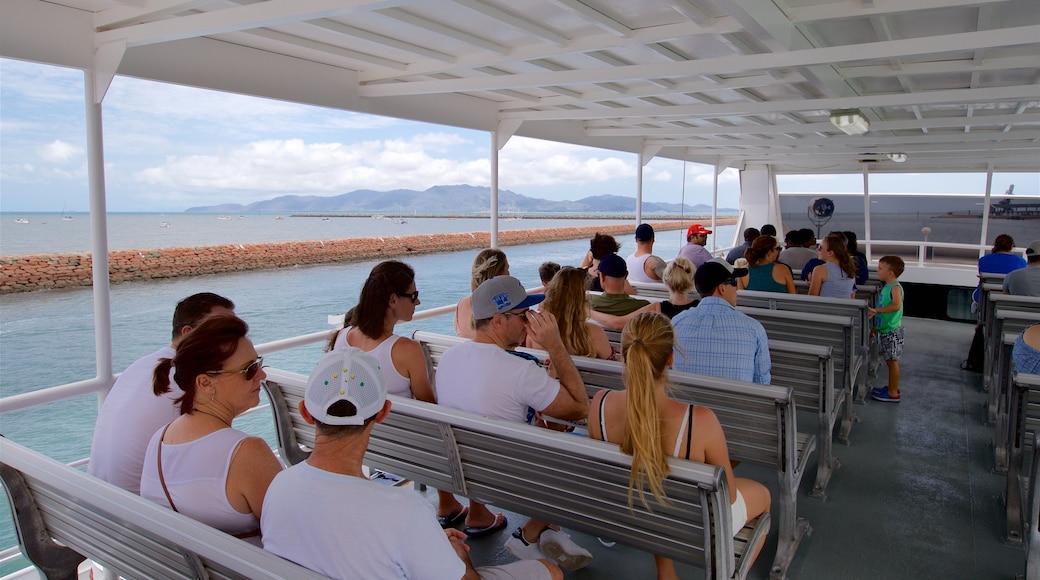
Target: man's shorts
891	344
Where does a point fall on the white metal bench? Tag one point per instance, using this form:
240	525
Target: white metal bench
573	481
54	504
759	422
1025	424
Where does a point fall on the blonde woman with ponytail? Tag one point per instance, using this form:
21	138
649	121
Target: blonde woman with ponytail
652	427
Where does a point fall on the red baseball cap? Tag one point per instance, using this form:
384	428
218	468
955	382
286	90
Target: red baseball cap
697	229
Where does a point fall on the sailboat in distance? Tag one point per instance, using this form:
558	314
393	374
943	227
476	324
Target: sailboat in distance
65	216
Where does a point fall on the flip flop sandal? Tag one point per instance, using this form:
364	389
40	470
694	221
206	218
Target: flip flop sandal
500	523
454	519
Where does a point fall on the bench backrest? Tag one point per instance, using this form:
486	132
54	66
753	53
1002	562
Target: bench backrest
573	481
857	309
125	533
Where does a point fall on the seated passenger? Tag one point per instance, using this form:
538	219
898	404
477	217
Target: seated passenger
858	257
650	427
546	272
643	265
836	277
566	299
389	296
613	277
716	339
486	265
132	413
600	245
678	277
198	465
750	234
324	514
801	250
765	274
694	250
480	376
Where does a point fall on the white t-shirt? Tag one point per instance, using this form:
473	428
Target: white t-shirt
129	417
348	527
487	380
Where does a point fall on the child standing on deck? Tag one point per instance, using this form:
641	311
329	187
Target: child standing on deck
889	325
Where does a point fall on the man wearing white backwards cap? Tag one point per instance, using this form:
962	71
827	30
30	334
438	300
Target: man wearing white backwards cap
479	376
324	514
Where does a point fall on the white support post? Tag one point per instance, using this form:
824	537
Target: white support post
98	236
639	188
866	213
494	189
715	208
985	209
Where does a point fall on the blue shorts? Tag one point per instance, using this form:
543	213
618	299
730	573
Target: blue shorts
891	343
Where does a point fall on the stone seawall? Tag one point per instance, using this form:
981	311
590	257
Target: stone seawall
68	270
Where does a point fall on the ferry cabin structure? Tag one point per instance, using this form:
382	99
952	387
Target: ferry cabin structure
940	85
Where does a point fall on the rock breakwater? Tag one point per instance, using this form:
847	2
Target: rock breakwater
68	270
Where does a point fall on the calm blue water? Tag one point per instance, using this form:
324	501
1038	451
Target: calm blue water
47	337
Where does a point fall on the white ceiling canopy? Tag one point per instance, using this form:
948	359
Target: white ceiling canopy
954	85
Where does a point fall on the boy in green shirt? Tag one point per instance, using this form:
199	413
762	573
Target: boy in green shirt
889	324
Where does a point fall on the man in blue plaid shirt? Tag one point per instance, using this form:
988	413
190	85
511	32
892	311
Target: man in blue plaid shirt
715	338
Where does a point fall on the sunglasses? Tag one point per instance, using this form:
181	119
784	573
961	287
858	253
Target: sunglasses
520	314
414	296
250	371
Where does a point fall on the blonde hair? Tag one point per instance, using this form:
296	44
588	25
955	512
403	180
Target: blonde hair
488	264
646	345
678	275
565	297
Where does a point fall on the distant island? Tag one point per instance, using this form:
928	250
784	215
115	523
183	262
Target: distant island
454	199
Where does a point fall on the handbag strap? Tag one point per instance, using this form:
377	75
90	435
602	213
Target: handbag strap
162	480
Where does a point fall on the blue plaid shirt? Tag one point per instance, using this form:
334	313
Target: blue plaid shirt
717	340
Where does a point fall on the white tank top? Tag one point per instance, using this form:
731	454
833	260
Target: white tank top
196	477
395	383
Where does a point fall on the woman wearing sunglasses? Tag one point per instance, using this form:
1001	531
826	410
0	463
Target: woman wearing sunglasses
199	465
388	297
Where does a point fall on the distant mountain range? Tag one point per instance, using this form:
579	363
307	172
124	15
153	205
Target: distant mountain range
456	199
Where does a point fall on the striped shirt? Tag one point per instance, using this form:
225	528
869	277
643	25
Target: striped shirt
717	340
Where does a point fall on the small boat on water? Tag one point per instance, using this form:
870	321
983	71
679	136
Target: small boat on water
21	220
224	218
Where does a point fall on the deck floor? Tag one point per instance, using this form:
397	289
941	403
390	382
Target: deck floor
915	496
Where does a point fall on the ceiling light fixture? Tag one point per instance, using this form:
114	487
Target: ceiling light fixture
850	121
897	157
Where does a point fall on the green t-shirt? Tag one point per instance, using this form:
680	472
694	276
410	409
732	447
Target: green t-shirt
889	321
616	304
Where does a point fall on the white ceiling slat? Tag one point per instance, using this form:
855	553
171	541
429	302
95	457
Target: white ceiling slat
455	33
1021	138
355	32
851	8
595	16
581	45
515	21
124	14
269	13
957	96
326	48
813	127
988	64
917	46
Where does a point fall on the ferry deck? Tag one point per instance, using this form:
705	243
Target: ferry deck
768	88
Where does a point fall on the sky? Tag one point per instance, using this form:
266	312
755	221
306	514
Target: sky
169	147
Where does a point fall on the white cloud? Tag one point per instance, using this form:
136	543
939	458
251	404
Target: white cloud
60	152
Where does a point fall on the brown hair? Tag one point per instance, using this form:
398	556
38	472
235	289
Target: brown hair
759	249
895	263
565	297
1003	243
836	243
205	349
191	310
486	265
